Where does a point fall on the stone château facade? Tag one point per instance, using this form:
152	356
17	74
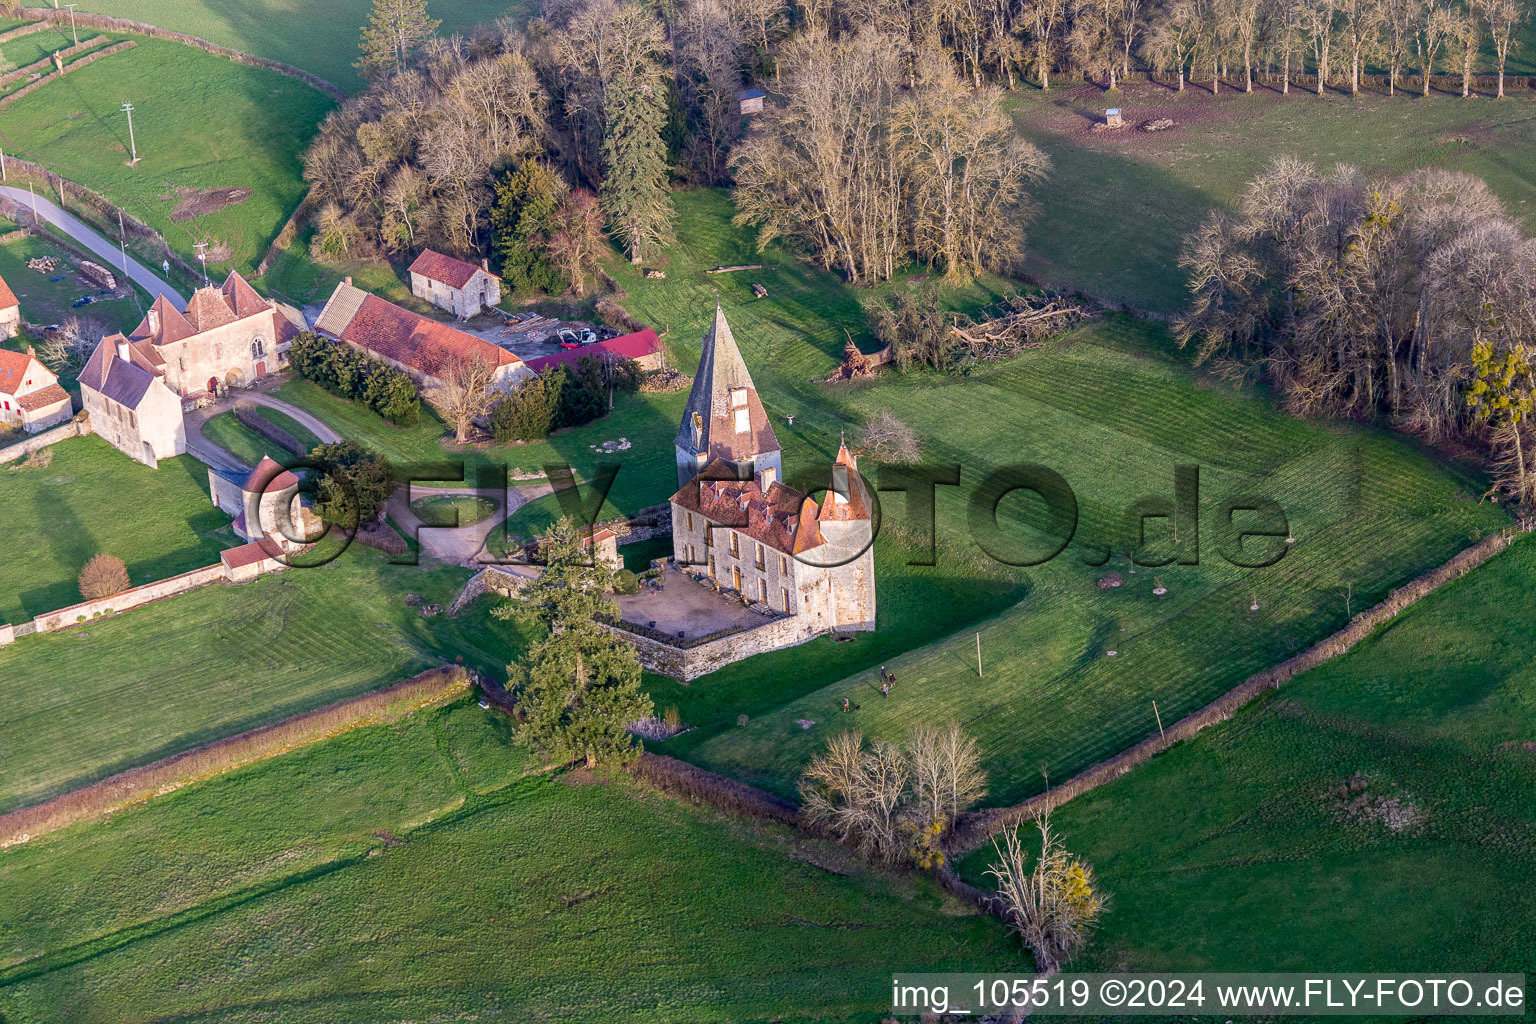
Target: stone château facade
735	520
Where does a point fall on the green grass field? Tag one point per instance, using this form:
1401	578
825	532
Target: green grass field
200	122
453	509
1248	849
84	703
245	444
1114	408
1117	205
427	450
291	31
91	499
404	873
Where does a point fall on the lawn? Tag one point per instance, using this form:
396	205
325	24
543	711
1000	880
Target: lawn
291	31
84	703
406	873
90	498
1116	205
453	509
1113	407
1264	843
427	452
245	444
201	122
45	301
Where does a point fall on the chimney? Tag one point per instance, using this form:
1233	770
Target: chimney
31	352
153	316
485	264
347	280
766	475
122	349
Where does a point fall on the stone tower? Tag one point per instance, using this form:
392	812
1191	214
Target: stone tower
846	523
724	418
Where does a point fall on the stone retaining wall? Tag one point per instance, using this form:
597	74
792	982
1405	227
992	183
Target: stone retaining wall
78	427
687	663
87	610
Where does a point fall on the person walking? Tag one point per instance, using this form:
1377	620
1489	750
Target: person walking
885	689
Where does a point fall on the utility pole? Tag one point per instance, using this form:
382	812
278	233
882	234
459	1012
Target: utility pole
2	165
74	31
35	221
202	255
1159	721
978	655
133	147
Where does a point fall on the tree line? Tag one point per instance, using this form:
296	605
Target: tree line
1412	298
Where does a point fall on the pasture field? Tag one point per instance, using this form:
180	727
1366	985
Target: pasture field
1113	407
1117	204
295	32
90	499
407	872
85	703
202	123
1378	813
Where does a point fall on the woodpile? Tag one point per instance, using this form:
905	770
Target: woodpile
1028	322
43	264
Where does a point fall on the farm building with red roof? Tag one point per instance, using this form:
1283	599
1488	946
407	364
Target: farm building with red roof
30	396
10	311
463	289
643	347
410	342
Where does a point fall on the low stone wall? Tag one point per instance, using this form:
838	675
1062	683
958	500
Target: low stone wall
87	610
78	427
687	663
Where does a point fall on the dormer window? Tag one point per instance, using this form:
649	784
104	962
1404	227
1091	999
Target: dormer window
739	416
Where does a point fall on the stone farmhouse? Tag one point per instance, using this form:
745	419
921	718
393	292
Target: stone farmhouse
410	342
463	289
10	312
134	386
30	396
749	532
130	406
227	335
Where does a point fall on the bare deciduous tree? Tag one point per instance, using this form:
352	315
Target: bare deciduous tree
1053	905
465	391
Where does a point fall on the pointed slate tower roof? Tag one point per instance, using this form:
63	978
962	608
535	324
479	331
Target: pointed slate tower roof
712	422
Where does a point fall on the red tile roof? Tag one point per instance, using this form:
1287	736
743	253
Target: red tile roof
7	297
13	370
242	298
627	346
42	398
847	485
250	554
435	266
413	340
208	310
173	327
783	519
269	478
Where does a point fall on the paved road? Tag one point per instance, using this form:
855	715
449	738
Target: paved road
109	252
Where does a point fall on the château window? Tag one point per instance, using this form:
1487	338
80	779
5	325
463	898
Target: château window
762	591
742	420
735	547
760	556
786	599
783	566
258	348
